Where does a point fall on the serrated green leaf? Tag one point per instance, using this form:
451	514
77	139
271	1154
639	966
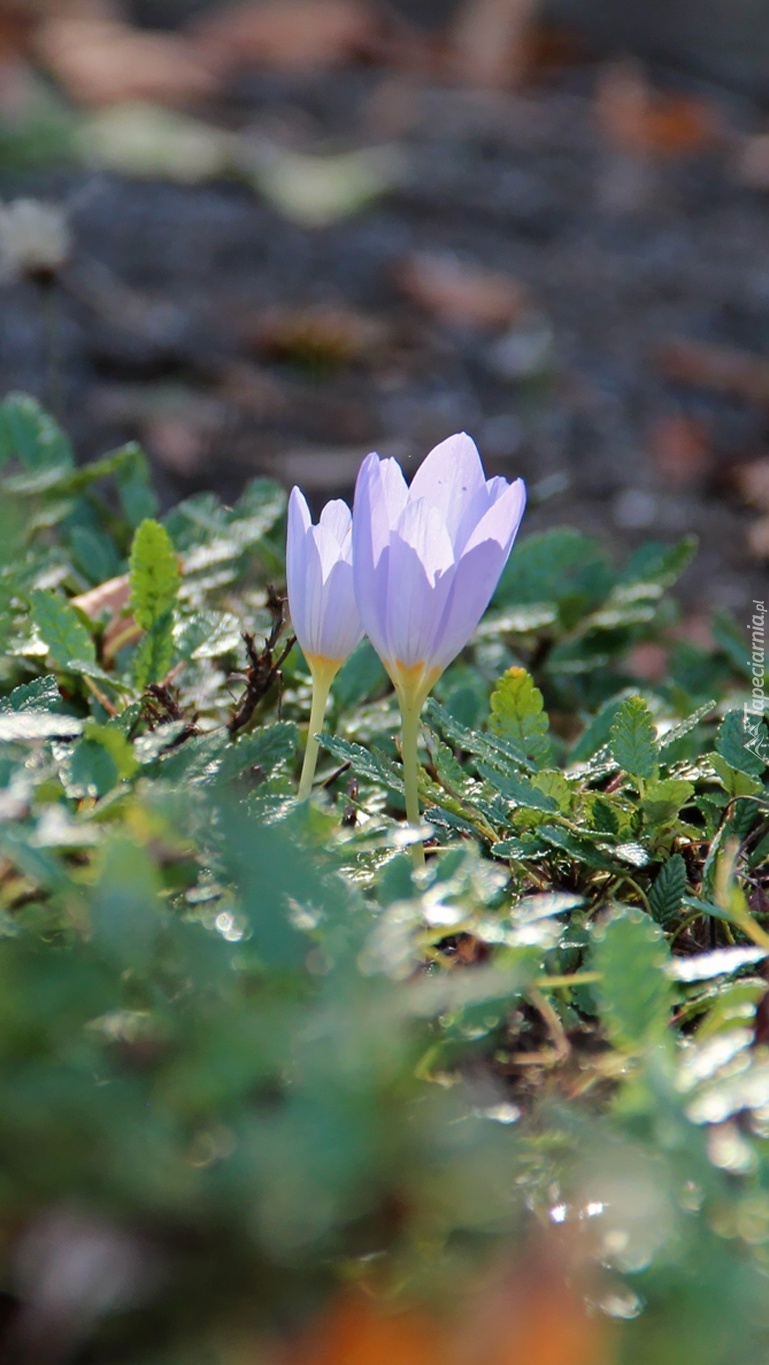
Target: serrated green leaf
664	798
36	725
743	741
634	993
661	565
365	763
154	653
61	628
40	695
518	791
684	727
518	716
30	435
722	962
632	739
668	890
154	574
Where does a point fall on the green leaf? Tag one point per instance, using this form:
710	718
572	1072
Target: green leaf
659	565
40	695
684	727
662	800
518	715
518	790
365	763
668	890
155	652
632	739
35	725
62	629
137	496
554	566
28	434
634	993
154	574
743	741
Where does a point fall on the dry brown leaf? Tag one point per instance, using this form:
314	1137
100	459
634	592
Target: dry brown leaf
461	293
648	661
680	449
330	335
635	118
751	164
492	41
111	597
102	62
725	369
752	480
288	35
758	538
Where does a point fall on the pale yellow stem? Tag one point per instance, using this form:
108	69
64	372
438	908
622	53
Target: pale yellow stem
323	673
411	709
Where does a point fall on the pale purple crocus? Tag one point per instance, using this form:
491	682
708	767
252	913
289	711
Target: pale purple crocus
427	560
321	600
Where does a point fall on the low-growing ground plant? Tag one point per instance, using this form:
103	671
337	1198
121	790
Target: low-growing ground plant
270	1094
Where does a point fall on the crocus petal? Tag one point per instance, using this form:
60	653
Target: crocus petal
420	570
448	477
342	629
473	583
478	569
319	576
427	559
337	519
502	519
380	495
296	559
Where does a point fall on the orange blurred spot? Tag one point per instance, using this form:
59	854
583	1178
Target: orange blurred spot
357	1332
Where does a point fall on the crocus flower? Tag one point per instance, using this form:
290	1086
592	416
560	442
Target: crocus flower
427	560
321	599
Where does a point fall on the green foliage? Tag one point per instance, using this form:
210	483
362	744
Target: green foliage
154	574
632	739
62	630
249	1055
667	890
518	715
634	994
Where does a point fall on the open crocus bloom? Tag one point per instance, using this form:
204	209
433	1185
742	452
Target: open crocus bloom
319	574
321	599
428	557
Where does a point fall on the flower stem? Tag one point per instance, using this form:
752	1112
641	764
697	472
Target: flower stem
321	686
411	709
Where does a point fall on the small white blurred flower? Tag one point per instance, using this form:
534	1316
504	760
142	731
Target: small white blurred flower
35	240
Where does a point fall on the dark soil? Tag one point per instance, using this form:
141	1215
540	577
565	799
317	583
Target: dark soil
182	317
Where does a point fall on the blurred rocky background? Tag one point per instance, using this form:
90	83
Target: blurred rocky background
272	235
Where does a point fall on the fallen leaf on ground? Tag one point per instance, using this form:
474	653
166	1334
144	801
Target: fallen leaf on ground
491	41
102	62
724	369
751	163
315	190
680	449
287	35
461	293
758	538
752	481
648	661
110	600
330	335
639	120
147	140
